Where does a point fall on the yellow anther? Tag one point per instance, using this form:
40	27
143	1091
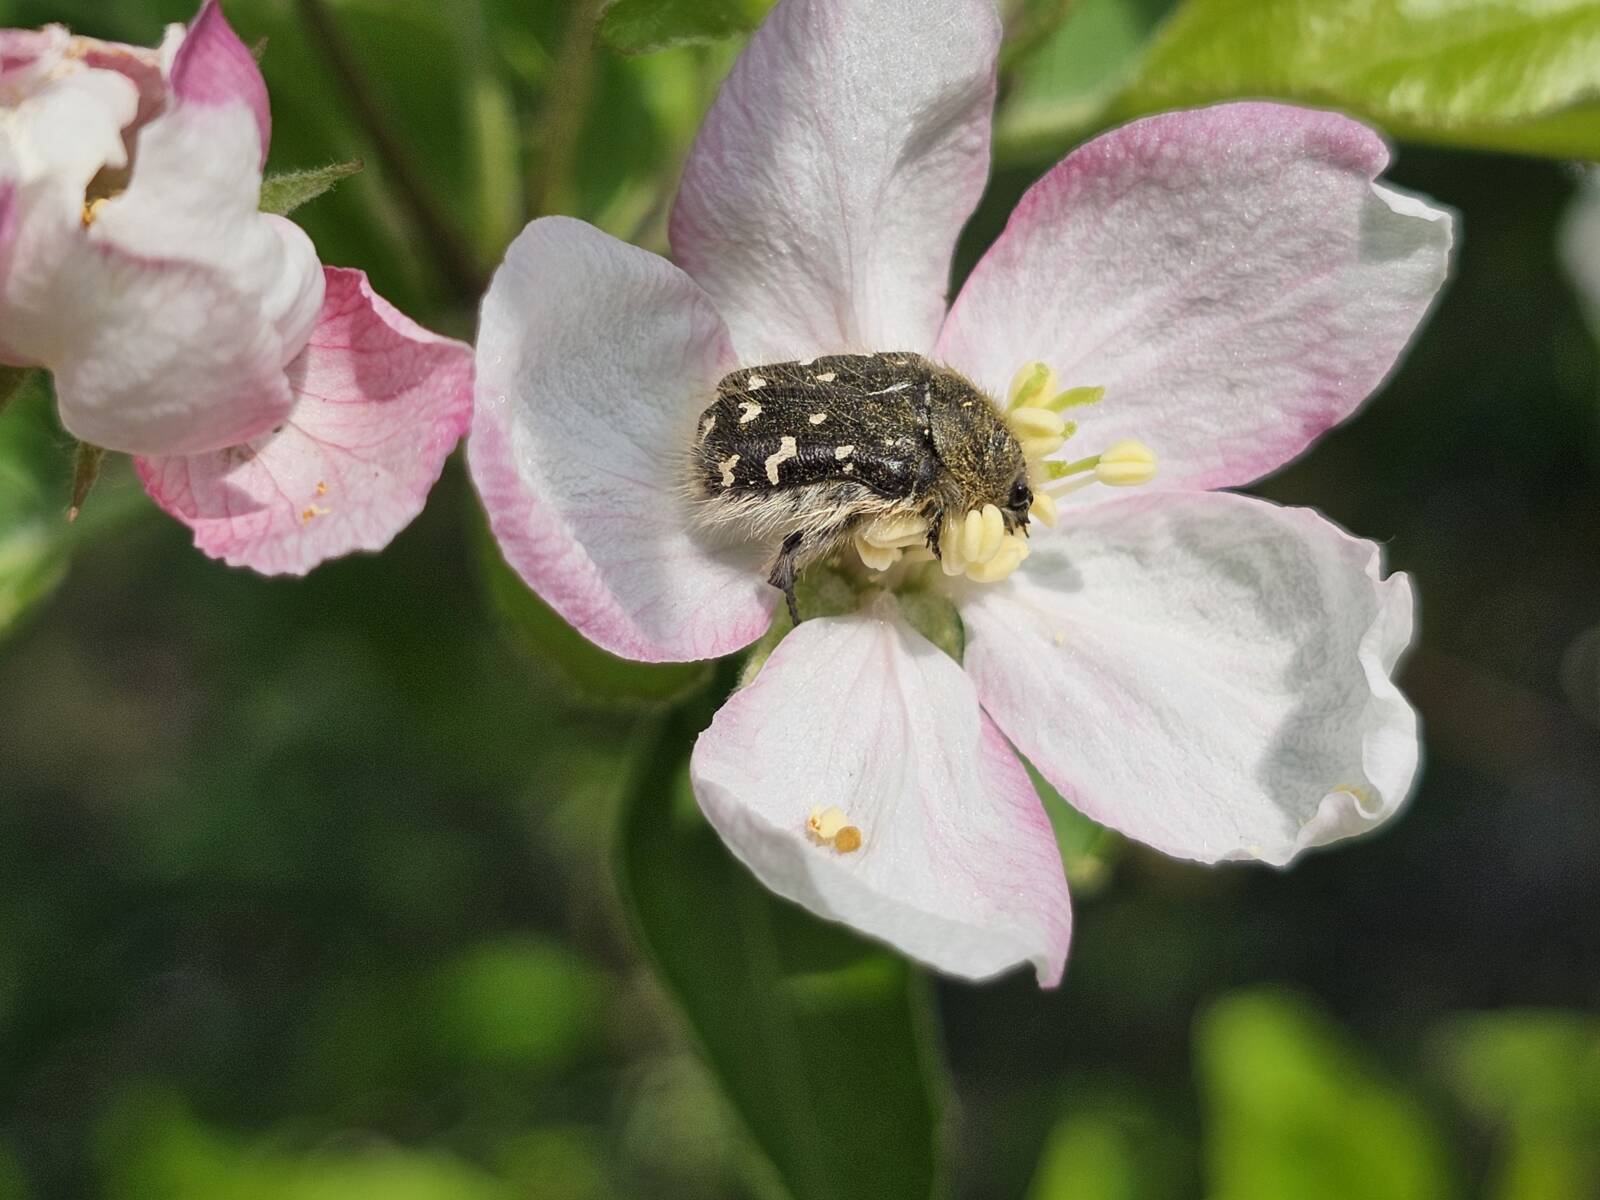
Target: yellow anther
1126	464
1043	509
1034	383
1007	559
972	536
91	210
1035	448
951	560
994	529
896	533
825	823
877	558
1031	422
830	826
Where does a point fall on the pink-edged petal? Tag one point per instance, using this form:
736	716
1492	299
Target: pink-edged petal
149	356
594	360
213	68
821	203
1231	276
1208	673
957	866
194	197
379	404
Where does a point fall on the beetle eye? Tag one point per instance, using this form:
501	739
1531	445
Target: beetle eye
1021	495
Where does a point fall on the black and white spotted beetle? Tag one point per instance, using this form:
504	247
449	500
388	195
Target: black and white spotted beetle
807	454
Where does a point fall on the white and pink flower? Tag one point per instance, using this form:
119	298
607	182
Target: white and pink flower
1206	672
279	408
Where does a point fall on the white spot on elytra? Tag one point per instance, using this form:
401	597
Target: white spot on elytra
786	450
849	468
749	410
707	426
843	452
826	377
755	383
726	466
817	418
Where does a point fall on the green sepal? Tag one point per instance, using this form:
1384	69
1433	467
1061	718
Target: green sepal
11	381
1089	851
282	194
823	591
645	26
86	461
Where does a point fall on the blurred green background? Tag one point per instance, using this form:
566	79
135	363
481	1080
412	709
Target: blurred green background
382	884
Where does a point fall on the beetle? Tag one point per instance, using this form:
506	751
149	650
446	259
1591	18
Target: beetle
805	455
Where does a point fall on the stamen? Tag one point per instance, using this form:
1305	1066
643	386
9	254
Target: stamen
1006	559
977	545
876	558
1126	464
829	826
1043	509
1033	383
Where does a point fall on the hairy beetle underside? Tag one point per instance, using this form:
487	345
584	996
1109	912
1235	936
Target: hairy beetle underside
806	455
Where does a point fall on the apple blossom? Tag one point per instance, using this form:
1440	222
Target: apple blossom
279	408
1203	293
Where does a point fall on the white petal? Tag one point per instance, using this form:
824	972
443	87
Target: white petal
957	866
822	200
1230	275
1208	673
594	361
193	197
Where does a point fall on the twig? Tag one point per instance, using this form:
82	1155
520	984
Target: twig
452	253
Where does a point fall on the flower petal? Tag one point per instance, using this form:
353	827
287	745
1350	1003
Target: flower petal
1208	673
957	865
594	360
379	404
1230	275
213	68
149	356
194	197
821	203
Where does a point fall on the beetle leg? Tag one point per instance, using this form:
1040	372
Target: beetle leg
935	517
783	572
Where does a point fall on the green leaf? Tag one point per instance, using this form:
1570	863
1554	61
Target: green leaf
817	1038
1295	1110
35	469
285	192
556	647
1519	75
1061	89
644	26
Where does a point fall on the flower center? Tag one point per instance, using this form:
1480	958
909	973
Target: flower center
980	543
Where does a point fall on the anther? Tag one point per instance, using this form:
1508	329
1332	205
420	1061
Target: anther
1126	464
1033	383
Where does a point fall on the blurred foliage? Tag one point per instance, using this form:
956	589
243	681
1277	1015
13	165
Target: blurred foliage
1293	1110
307	887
